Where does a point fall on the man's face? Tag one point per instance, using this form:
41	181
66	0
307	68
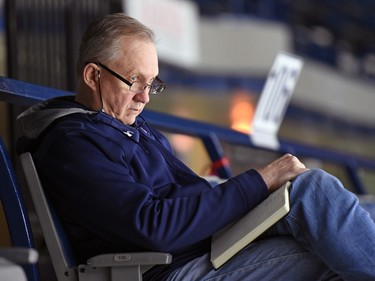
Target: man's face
137	63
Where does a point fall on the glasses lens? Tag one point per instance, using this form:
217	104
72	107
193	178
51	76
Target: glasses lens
156	87
137	87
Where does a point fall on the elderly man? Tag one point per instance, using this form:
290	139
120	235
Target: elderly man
117	186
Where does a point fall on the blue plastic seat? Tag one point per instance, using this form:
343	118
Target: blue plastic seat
15	211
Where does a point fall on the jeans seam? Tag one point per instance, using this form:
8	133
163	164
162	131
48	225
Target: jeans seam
294	220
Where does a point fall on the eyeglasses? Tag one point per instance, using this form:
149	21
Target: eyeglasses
156	87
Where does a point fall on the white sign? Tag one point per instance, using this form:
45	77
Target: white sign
275	99
175	24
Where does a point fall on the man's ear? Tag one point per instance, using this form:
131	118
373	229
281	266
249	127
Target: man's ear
91	75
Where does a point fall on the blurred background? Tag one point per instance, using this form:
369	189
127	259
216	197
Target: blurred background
214	57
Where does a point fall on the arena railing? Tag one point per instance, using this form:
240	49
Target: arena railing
25	94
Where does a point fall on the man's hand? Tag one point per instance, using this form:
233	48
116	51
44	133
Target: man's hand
281	170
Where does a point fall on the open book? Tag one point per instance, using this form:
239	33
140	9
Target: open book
233	238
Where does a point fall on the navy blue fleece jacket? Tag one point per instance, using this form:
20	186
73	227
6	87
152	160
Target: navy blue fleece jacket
120	188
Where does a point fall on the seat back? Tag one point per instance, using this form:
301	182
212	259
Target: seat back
56	240
15	211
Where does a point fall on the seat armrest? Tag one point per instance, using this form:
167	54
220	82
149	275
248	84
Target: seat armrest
130	259
19	255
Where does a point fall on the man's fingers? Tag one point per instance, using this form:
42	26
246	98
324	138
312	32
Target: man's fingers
283	169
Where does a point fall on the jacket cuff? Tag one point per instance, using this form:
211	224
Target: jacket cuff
253	187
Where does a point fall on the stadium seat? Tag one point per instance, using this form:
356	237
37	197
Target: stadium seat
114	266
11	259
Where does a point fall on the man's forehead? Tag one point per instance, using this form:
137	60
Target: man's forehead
139	58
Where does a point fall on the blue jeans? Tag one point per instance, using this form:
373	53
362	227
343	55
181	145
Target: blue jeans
327	235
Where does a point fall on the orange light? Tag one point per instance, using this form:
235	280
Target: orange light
242	112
